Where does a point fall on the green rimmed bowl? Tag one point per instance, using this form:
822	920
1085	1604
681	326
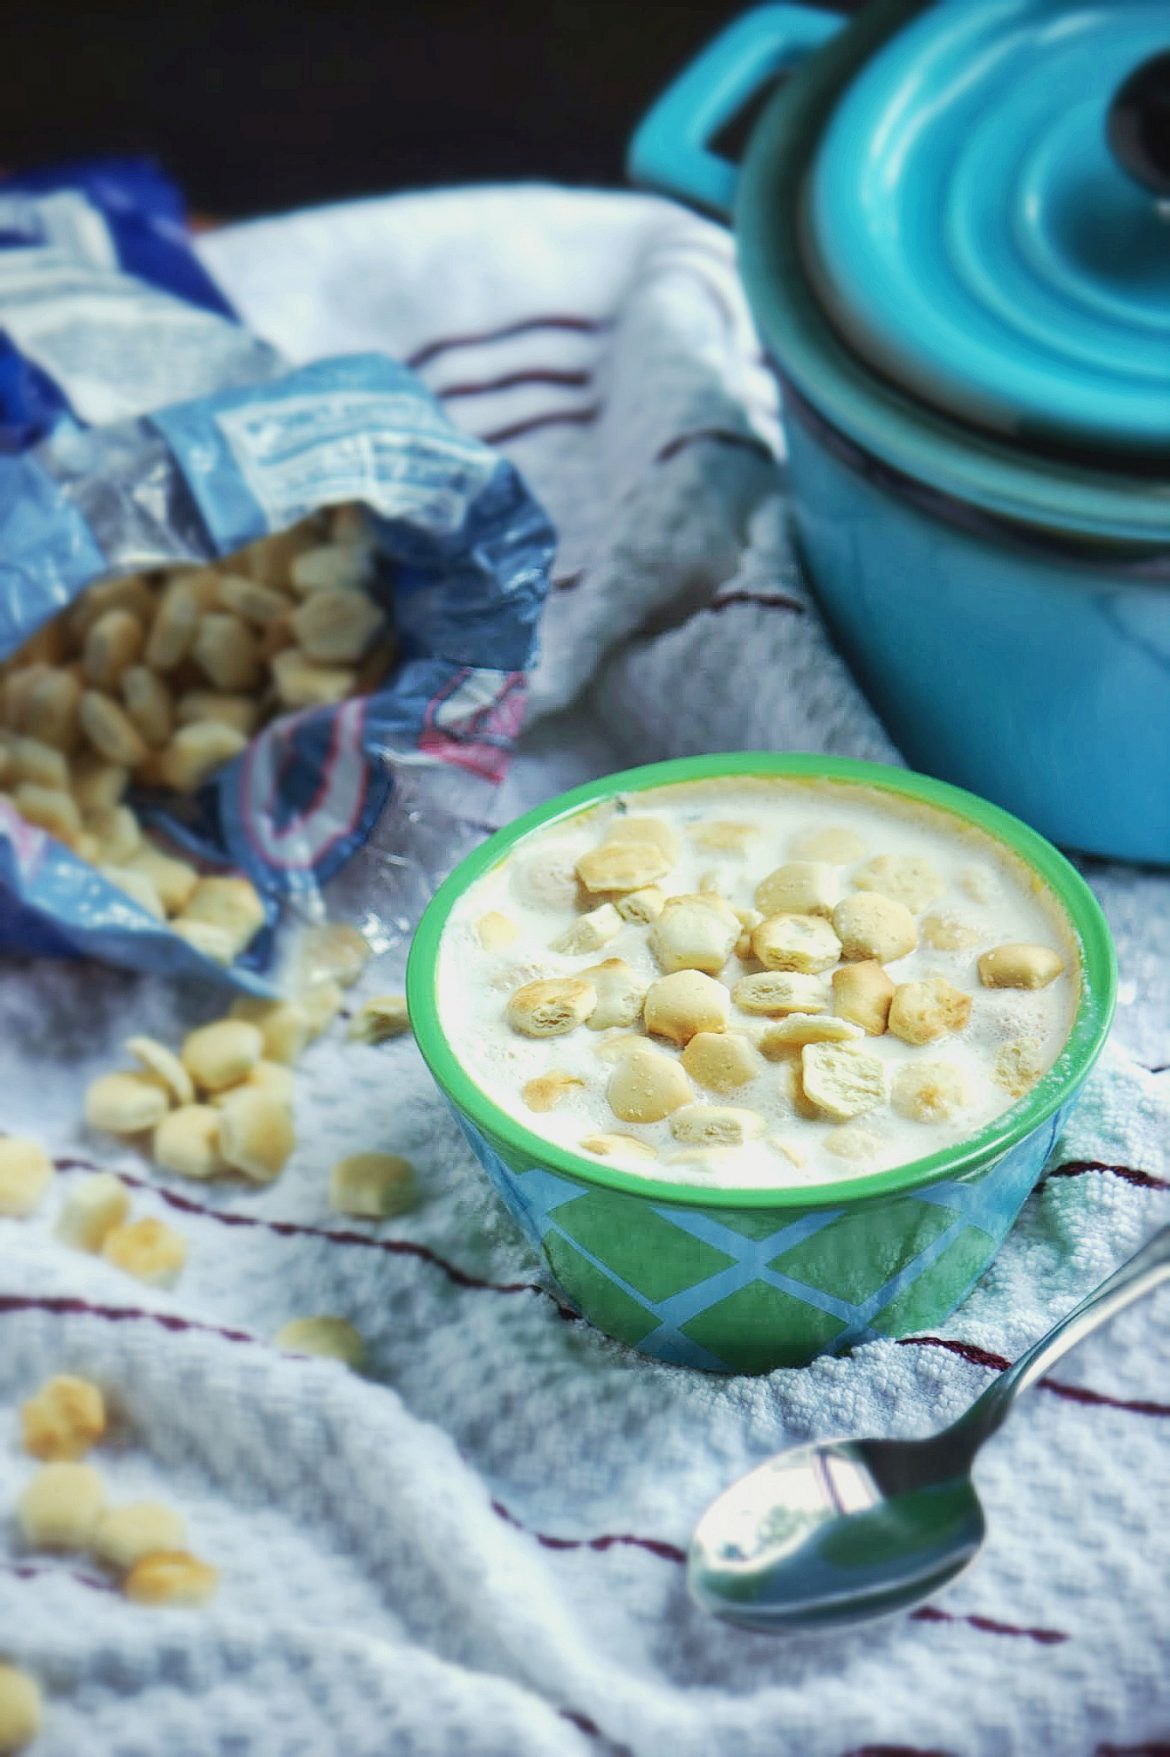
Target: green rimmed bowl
748	1280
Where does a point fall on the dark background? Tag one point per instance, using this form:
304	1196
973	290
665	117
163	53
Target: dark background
269	104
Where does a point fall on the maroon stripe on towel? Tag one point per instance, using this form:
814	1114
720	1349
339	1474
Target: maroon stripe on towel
80	1308
763	601
569	380
34	1571
894	1751
979	1357
536	423
929	1613
581	1721
716	436
586	1724
666	1552
1151	1748
983	1357
395	1247
1082	1394
669	1552
589	326
1130	1174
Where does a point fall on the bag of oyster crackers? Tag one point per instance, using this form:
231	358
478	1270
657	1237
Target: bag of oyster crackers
262	658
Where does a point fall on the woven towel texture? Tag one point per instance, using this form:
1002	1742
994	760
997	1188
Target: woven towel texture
476	1548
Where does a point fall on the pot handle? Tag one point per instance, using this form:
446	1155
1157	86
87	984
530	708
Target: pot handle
669	151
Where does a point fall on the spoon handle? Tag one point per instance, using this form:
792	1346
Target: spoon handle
1138	1276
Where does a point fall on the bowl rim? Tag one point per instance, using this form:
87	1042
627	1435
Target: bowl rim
1085	920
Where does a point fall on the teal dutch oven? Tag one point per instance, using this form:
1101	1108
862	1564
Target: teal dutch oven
953	225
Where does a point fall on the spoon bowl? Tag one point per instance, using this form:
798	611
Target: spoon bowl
837	1532
845	1530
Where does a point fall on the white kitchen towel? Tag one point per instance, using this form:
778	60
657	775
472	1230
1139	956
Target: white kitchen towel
476	1548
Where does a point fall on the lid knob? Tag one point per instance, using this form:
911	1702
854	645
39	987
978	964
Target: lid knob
1139	125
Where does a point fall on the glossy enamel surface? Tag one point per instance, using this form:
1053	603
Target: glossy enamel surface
976	240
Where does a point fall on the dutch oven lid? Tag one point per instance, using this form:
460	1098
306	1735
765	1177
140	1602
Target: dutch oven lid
987	220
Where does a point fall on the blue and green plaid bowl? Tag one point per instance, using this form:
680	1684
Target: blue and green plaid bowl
747	1280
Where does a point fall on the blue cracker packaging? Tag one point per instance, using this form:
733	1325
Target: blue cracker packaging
349	809
105	310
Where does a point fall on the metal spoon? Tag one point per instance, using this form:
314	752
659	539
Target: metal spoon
851	1529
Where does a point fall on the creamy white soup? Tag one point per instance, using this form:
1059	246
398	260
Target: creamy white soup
757	982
